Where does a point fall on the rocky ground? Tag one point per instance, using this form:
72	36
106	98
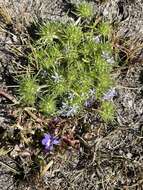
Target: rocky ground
114	159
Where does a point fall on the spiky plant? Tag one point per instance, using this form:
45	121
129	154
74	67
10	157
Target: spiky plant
107	111
49	31
105	29
70	60
84	10
48	105
73	34
28	90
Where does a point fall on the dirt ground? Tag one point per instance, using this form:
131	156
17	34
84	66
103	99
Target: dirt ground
115	158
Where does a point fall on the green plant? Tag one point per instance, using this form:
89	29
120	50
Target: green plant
70	60
105	28
84	10
28	90
107	111
49	32
72	34
47	106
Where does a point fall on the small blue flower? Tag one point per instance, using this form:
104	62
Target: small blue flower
68	111
97	39
49	141
108	57
92	92
89	103
56	77
110	94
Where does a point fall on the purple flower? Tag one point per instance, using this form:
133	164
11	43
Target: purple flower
89	103
49	141
110	94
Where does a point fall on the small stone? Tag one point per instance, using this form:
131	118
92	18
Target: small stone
129	155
